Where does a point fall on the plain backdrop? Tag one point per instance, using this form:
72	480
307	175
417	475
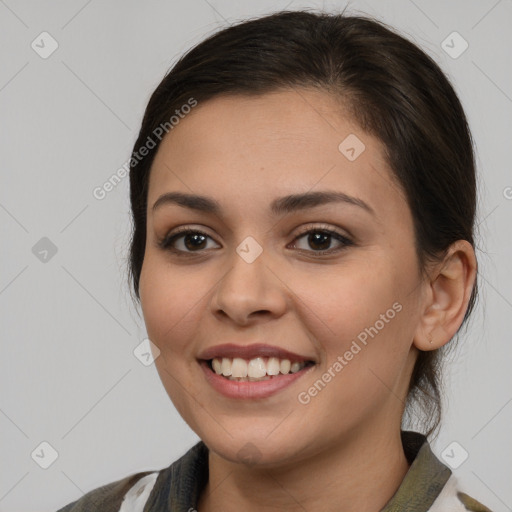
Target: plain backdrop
69	376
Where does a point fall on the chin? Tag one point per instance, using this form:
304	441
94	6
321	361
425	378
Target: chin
253	448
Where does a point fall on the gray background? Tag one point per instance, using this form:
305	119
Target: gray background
69	376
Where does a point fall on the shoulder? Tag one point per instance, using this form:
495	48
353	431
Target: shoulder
452	499
109	497
180	482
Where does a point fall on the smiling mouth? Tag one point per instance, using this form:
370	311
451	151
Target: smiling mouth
256	369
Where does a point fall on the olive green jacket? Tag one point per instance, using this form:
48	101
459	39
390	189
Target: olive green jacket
428	486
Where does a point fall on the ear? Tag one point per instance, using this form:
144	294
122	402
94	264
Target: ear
447	296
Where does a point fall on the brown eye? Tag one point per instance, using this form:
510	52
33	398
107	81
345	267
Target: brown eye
187	241
315	241
320	240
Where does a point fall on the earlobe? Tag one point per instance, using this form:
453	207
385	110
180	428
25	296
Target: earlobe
449	290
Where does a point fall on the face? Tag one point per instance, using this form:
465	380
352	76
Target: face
300	250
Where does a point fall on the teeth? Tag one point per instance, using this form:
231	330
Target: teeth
284	366
256	369
295	367
226	366
273	366
239	367
217	366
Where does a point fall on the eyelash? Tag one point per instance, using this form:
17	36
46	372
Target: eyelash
166	242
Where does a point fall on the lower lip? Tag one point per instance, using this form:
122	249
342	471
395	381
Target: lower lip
248	390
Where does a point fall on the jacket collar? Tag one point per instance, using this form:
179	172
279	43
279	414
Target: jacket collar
179	486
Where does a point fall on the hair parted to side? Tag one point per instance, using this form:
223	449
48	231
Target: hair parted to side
393	90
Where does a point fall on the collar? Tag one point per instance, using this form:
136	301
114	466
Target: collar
179	486
425	479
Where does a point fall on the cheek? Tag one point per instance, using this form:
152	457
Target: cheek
171	299
361	316
359	321
345	299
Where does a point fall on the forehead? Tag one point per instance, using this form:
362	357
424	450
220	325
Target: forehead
289	141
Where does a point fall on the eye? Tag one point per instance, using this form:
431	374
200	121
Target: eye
186	241
318	241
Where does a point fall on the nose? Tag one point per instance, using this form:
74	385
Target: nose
249	292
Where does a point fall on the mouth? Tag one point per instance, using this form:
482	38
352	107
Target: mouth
257	369
254	371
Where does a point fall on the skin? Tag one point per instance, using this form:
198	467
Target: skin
342	450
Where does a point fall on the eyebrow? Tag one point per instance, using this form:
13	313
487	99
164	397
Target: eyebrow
280	206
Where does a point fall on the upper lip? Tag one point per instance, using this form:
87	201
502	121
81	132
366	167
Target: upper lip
250	352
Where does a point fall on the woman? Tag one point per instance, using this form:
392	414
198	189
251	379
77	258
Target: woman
303	195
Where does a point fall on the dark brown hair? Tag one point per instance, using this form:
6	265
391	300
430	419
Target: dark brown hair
392	89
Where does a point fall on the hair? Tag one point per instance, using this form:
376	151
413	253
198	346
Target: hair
391	88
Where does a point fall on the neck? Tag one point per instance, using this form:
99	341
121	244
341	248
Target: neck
363	474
